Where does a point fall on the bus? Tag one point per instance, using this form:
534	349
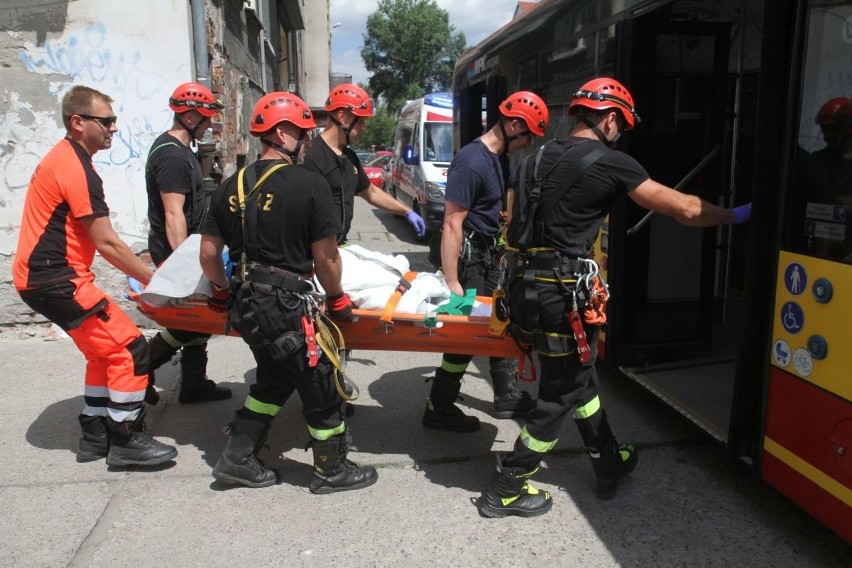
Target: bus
423	149
742	329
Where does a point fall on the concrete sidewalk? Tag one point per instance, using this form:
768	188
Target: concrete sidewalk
686	504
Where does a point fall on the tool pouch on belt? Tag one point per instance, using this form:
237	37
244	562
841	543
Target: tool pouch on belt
272	319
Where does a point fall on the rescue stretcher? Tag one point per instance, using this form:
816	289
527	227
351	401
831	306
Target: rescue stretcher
373	330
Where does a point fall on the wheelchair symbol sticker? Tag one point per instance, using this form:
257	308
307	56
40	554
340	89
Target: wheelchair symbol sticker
792	317
795	278
781	353
802	362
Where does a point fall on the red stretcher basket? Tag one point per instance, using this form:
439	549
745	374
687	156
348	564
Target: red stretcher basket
407	332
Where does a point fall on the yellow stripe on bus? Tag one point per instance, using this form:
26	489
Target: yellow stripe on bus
799	465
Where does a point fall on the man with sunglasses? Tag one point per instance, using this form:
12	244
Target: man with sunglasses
176	206
477	184
65	220
348	107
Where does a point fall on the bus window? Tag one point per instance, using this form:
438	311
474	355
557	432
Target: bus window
817	214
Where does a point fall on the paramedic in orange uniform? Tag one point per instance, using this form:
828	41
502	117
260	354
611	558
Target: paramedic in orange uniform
65	220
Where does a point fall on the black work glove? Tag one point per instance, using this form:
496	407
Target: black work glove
340	307
220	299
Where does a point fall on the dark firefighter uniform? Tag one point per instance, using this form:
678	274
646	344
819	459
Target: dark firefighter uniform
274	301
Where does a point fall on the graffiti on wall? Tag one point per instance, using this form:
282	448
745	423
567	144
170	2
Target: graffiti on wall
125	63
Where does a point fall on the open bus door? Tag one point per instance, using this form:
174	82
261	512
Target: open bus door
675	288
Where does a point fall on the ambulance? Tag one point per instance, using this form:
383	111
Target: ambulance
423	149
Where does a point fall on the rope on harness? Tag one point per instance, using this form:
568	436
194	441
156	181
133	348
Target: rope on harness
334	347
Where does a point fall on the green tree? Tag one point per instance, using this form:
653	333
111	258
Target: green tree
379	131
410	48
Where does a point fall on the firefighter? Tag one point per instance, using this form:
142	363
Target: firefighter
65	220
477	182
568	188
176	204
835	120
274	218
349	107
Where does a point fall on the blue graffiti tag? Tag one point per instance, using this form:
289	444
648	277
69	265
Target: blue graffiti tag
86	57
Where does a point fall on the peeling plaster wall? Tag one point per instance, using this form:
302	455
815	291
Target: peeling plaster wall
135	52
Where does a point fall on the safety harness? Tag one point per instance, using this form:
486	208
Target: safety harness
574	278
319	338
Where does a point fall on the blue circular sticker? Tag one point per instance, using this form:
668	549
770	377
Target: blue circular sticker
795	278
792	317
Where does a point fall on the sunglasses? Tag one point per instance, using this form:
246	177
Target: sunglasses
105	121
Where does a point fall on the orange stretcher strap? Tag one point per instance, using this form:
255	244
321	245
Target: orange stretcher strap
393	301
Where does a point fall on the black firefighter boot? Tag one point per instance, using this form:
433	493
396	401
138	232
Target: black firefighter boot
333	472
511	494
238	463
441	412
194	384
130	444
509	402
94	438
612	463
160	353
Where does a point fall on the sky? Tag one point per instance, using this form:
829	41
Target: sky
476	18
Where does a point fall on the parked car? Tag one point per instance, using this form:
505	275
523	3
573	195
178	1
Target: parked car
376	169
364	155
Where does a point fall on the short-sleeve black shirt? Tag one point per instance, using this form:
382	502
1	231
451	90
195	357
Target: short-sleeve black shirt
344	174
477	181
572	225
172	167
294	211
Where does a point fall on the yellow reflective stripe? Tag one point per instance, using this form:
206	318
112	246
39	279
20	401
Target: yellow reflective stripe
510	500
261	407
328	433
807	470
553	280
588	409
170	339
453	367
535	445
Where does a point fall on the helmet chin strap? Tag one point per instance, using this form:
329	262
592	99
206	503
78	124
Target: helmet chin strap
191	131
594	128
508	139
292	154
345	129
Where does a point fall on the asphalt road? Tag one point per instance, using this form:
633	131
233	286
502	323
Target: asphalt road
687	503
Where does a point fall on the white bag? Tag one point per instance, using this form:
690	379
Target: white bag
179	278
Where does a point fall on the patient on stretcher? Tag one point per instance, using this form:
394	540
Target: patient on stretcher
369	277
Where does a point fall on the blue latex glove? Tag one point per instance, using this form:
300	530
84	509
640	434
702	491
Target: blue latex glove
416	222
742	214
134	285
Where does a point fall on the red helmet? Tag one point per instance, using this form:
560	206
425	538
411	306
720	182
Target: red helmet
351	97
280	107
836	112
528	106
605	93
195	96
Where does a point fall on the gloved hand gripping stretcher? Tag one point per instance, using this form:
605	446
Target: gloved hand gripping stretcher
394	306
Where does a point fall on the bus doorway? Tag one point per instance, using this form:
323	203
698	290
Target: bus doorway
677	289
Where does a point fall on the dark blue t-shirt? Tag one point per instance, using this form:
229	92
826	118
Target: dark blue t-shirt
476	181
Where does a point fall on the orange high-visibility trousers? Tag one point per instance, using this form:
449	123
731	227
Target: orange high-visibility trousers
115	350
